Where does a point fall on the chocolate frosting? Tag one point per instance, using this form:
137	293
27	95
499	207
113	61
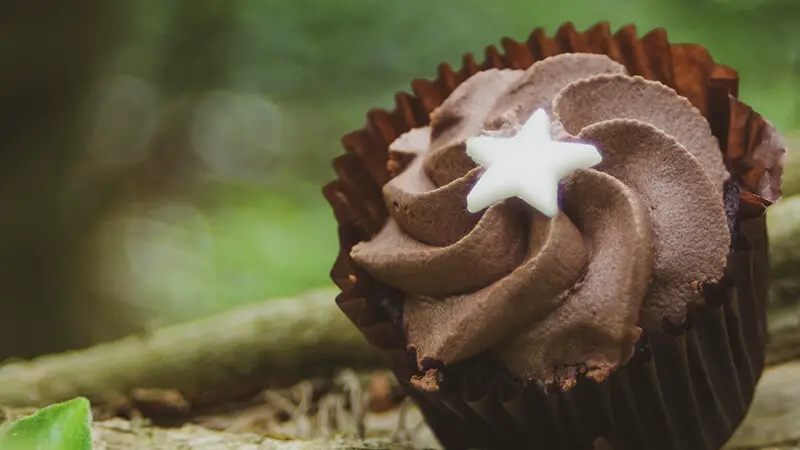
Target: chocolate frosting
634	238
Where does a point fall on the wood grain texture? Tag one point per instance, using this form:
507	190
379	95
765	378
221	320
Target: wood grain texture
211	360
774	417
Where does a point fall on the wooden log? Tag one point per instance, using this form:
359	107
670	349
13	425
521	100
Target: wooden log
783	222
774	418
212	360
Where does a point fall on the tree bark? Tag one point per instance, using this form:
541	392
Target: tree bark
773	421
226	357
53	54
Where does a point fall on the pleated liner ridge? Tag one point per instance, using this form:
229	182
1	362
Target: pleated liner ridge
685	389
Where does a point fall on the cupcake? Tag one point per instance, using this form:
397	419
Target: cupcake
564	247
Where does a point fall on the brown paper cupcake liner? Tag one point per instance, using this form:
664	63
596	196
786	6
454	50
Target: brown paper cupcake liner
687	388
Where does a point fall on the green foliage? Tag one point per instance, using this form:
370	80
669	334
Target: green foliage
320	50
63	426
236	243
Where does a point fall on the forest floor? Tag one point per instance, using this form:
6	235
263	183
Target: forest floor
362	407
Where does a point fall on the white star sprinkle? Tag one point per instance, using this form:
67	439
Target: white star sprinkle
528	166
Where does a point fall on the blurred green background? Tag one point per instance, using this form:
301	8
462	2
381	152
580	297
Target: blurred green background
162	160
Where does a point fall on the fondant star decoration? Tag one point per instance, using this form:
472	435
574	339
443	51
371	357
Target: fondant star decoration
528	165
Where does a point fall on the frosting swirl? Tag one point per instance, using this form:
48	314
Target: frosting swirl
632	240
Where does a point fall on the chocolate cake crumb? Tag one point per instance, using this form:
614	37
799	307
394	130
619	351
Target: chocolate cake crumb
429	382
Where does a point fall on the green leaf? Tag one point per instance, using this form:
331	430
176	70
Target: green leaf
63	426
